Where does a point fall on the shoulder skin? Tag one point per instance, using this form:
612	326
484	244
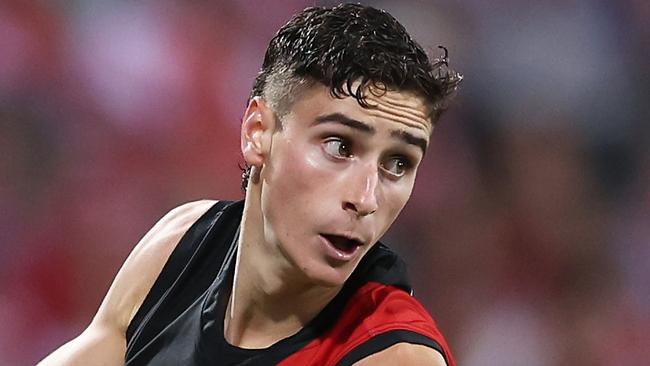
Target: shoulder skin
104	341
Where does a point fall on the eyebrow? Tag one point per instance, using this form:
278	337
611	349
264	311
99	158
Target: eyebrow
367	129
411	139
345	120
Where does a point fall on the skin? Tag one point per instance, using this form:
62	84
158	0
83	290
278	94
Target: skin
103	342
332	168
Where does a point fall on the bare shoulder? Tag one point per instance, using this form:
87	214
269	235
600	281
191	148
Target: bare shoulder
405	354
144	264
104	341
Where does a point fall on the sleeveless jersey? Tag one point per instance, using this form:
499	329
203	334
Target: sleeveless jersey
180	321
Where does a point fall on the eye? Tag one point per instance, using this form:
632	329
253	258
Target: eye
337	147
396	166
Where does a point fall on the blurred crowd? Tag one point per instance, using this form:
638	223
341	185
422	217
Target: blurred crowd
528	233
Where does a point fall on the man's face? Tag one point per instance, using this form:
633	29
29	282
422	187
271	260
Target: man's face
337	176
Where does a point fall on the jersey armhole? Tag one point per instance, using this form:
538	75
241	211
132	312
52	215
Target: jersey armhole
382	341
173	266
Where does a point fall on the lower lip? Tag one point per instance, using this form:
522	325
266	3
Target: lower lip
336	253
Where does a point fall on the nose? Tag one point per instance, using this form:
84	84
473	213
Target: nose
361	192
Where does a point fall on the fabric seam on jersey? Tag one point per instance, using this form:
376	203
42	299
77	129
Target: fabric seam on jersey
142	325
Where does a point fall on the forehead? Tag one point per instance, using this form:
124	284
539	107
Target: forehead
395	109
403	108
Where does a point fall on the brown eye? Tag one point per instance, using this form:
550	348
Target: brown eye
396	166
337	147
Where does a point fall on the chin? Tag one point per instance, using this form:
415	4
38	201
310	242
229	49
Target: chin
322	274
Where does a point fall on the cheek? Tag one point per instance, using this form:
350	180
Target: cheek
301	169
294	183
394	201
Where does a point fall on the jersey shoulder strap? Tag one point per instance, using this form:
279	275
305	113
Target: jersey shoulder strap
179	261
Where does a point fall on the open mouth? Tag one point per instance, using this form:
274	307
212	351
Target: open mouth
342	243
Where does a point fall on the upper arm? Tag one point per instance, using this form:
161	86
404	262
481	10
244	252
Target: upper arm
404	354
104	341
144	264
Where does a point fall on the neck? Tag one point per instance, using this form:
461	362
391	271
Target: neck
270	298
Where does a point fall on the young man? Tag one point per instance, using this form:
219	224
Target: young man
338	121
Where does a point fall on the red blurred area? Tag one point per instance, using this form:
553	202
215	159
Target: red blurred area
527	234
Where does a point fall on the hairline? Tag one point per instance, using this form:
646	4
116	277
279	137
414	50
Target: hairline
282	95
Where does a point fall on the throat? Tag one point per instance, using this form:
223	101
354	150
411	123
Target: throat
268	301
256	317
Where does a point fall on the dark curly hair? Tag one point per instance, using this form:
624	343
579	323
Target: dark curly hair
351	49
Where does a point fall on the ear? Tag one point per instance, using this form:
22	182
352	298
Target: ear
257	129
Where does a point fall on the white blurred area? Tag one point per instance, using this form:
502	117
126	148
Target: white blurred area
527	235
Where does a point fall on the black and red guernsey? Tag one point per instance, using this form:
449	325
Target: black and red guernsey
180	321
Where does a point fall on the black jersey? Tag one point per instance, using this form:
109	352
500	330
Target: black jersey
180	321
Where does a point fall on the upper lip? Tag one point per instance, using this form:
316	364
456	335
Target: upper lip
349	236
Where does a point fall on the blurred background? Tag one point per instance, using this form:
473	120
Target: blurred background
528	233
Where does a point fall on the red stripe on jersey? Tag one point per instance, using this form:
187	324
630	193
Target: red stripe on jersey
373	310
